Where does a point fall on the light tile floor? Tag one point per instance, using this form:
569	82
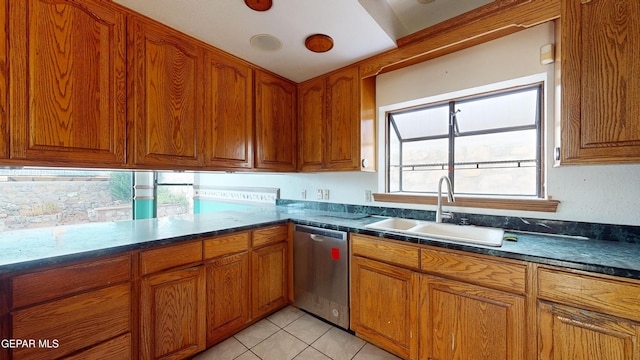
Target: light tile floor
293	334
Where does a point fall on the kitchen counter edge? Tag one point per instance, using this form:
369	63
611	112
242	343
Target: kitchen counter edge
610	258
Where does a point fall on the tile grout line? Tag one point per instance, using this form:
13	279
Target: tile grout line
282	328
357	352
265	339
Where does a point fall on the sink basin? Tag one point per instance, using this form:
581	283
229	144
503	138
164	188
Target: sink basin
442	231
396	224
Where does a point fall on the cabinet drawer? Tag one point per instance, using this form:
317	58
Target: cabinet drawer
171	256
115	349
608	296
50	284
482	271
270	235
226	245
76	322
387	251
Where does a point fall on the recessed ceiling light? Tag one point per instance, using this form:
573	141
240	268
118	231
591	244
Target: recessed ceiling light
259	5
319	43
266	42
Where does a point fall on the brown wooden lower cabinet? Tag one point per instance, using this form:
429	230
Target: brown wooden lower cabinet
269	279
228	298
474	306
415	301
464	321
99	319
384	305
80	310
172	307
587	316
465	312
117	349
569	333
165	302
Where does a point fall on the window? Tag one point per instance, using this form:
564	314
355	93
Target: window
488	144
36	198
174	193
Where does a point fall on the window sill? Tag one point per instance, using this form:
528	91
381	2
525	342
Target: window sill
542	205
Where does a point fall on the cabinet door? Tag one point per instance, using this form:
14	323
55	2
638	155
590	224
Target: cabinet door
343	120
384	306
4	80
168	97
172	311
275	123
68	93
463	321
229	111
600	81
269	279
227	296
575	334
311	124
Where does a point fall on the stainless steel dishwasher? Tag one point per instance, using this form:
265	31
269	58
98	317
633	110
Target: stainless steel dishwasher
321	273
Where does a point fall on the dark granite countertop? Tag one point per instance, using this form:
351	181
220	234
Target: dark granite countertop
30	249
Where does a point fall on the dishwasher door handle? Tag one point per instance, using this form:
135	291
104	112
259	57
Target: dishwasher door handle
318	238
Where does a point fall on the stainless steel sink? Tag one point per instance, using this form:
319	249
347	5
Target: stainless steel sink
442	231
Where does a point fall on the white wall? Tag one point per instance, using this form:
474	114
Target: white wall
603	194
346	187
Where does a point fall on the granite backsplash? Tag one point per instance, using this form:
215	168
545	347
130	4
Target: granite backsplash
598	231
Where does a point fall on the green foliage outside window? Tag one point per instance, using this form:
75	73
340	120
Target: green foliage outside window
121	186
166	196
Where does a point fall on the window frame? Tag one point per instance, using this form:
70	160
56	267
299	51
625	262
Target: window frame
538	202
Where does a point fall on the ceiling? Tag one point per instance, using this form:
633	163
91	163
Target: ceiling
359	28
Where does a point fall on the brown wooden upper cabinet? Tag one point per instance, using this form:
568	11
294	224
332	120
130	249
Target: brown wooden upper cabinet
68	87
333	132
600	106
4	82
229	111
275	141
167	102
311	126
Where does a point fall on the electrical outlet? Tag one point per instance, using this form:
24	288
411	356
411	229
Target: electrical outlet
326	194
367	195
303	195
320	196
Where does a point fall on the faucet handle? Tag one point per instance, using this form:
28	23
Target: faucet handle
446	215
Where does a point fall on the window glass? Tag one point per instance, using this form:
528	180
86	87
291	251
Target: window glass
491	146
498	147
518	108
174	193
422	123
35	198
497	164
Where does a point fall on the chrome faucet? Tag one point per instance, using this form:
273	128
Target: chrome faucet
439	213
